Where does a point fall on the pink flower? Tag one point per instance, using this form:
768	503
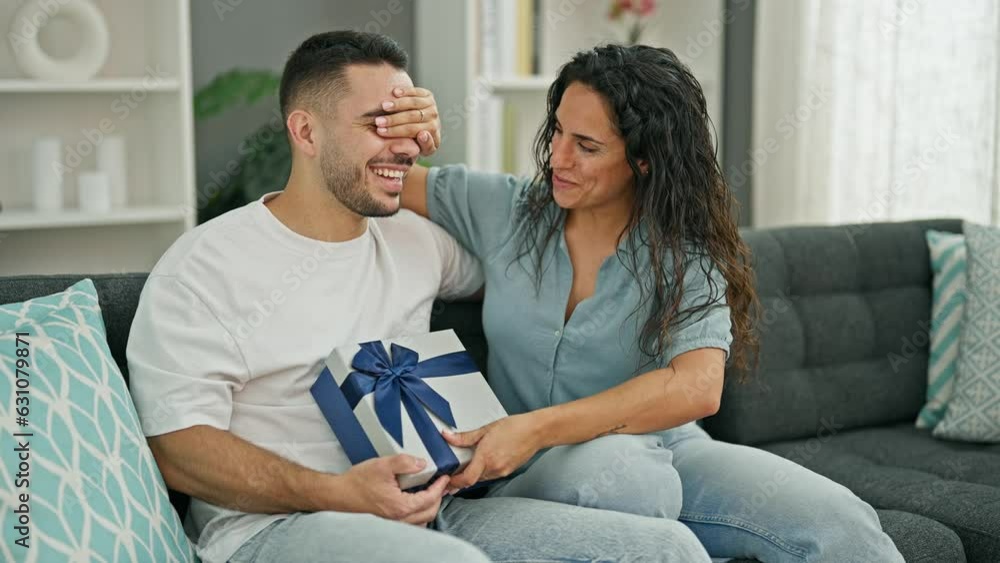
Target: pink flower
618	8
645	7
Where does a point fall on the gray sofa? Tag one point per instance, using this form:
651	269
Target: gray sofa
842	377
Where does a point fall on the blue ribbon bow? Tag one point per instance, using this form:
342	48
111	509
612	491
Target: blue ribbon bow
396	380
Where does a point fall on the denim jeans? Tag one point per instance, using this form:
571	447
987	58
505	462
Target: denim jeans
739	501
499	529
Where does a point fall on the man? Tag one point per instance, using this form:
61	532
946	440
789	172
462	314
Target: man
238	315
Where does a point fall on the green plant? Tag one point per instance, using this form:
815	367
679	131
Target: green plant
265	157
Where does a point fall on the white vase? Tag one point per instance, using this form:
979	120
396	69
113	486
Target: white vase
47	174
94	192
111	158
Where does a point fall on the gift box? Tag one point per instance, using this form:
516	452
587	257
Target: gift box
395	396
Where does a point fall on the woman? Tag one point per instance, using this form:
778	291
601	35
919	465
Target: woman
617	286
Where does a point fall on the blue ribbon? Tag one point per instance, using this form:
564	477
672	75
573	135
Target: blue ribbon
394	380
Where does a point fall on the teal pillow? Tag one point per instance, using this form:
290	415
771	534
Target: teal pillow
948	261
95	493
973	412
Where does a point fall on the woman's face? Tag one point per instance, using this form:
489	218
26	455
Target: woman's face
589	169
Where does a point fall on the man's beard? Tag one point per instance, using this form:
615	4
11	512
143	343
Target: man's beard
348	185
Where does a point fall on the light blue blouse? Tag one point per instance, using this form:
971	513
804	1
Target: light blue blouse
534	360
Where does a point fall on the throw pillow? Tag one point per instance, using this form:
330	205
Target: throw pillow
87	487
948	305
973	413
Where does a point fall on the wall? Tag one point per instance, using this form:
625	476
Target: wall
737	104
257	34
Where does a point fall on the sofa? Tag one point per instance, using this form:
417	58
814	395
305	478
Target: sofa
842	374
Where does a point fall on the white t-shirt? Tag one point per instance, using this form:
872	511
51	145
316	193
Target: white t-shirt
238	315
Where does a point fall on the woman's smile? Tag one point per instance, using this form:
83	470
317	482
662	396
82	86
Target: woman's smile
562	184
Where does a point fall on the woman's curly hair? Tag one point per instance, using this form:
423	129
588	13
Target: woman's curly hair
683	204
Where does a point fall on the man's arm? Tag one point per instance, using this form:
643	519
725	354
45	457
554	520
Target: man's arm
225	470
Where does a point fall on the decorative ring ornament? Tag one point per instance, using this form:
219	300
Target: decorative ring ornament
95	40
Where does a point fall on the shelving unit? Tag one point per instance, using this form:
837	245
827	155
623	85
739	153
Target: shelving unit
449	43
143	93
97	85
34	220
515	84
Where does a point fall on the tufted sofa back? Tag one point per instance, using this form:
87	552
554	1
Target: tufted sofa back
843	338
844	334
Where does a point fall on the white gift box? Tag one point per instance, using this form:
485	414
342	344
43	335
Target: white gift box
360	430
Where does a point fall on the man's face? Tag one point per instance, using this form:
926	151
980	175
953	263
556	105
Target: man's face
363	170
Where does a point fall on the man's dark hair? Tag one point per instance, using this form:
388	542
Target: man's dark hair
315	73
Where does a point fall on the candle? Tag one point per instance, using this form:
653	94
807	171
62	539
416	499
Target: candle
47	174
95	192
111	161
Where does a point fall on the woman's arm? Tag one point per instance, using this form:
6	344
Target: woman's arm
414	196
688	389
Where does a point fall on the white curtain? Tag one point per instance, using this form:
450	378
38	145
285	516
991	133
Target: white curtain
875	110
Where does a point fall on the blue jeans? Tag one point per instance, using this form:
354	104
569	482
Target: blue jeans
739	501
477	531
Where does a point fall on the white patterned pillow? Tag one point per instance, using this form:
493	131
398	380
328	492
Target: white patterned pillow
973	413
94	491
948	263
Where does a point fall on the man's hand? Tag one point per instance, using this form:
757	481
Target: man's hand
501	448
375	490
414	114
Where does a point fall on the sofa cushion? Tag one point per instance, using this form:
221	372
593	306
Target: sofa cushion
95	489
118	295
974	410
948	261
844	335
466	319
919	539
903	468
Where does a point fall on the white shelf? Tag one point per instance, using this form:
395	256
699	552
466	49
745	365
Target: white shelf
519	84
20	219
17	86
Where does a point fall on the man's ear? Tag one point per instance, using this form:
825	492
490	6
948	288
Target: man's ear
302	133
